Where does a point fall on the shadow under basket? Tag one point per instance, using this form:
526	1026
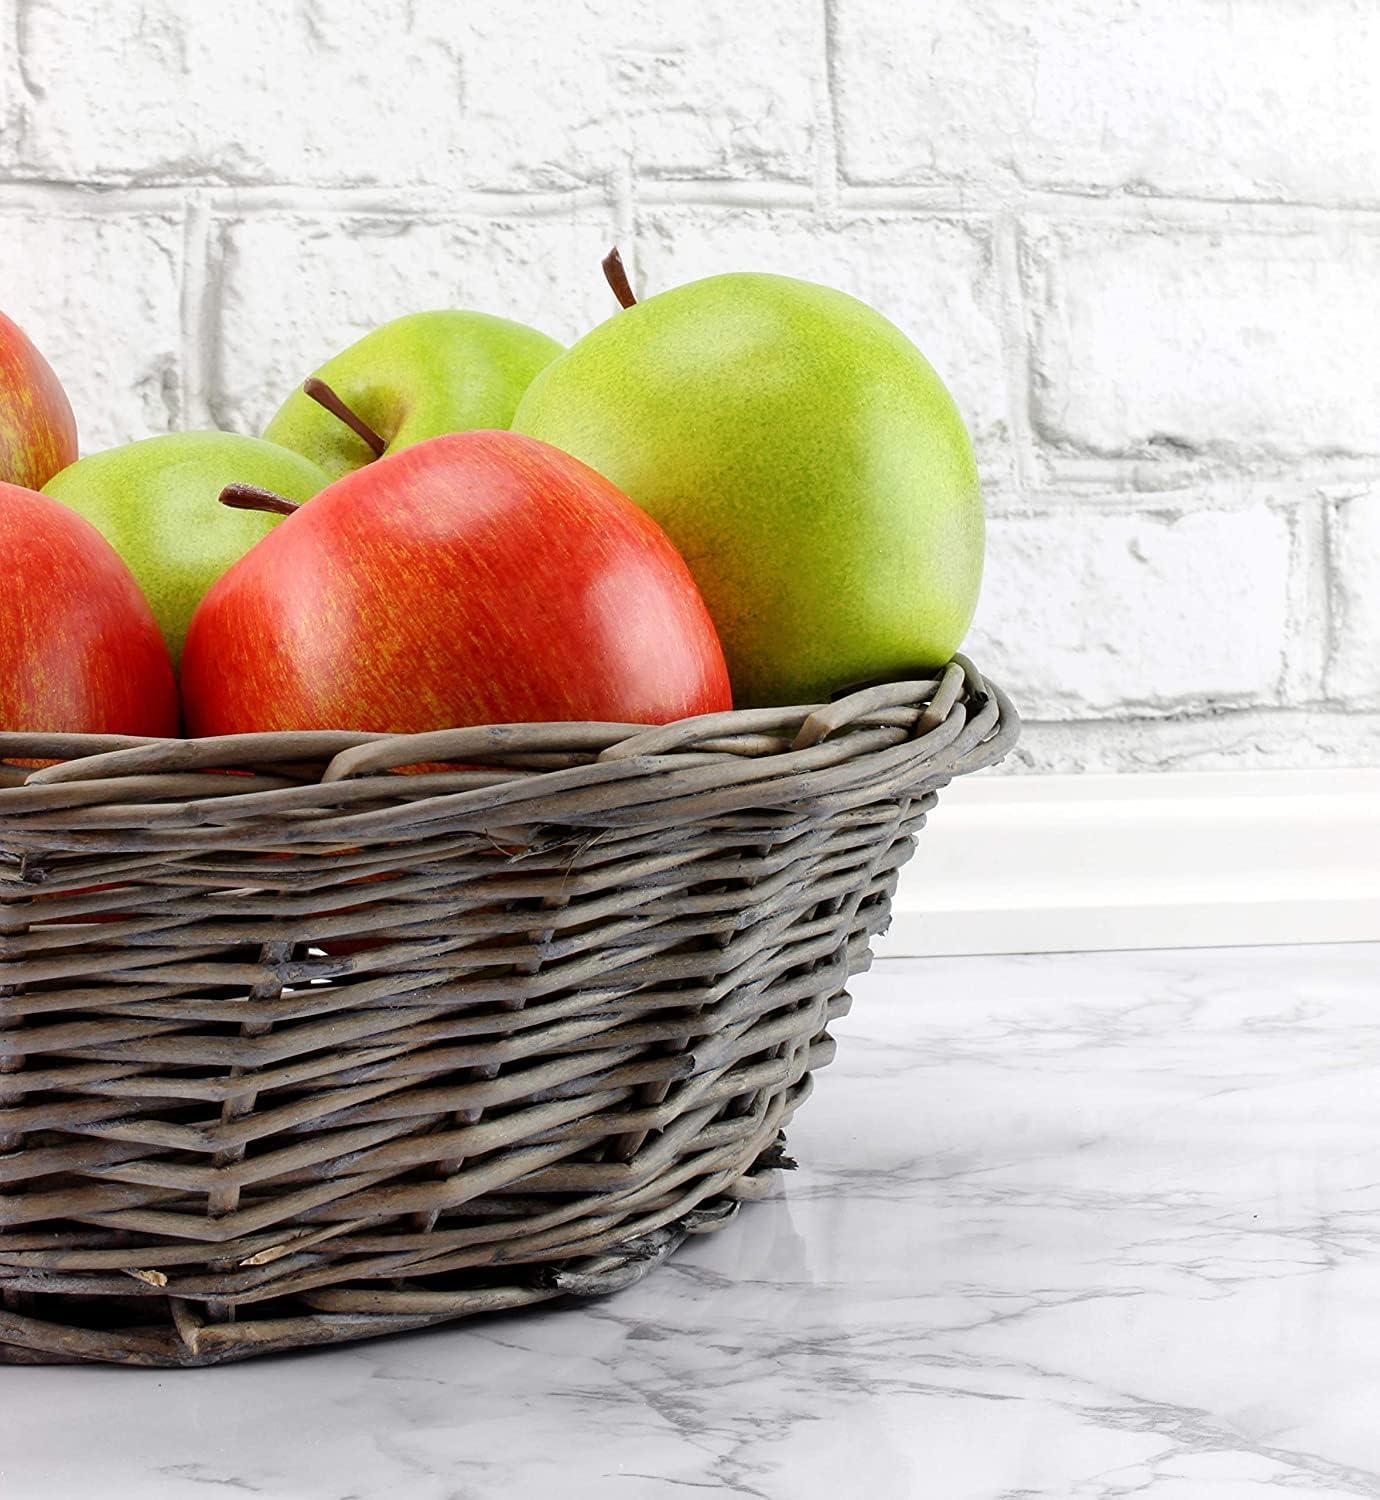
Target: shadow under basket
312	1037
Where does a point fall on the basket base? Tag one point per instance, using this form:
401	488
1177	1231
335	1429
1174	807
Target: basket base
345	1315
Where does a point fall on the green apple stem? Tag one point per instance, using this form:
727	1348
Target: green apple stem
251	497
616	274
323	395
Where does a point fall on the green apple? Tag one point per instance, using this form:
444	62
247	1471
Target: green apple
155	503
417	377
805	458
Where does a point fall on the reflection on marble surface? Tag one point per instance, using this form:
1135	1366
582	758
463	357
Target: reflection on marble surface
1082	1226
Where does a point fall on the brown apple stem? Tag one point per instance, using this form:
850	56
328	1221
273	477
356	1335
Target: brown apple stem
323	395
616	274
251	497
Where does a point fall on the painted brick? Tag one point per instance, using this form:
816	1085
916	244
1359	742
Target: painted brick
1271	99
1354	670
935	278
568	91
1096	612
99	295
259	90
296	289
1225	343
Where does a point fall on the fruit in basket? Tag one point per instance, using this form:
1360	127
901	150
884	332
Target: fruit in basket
476	578
805	459
38	434
80	652
418	377
155	502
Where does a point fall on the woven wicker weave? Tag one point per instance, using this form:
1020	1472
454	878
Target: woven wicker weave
317	1050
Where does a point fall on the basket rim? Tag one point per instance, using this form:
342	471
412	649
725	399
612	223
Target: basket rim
350	753
515	785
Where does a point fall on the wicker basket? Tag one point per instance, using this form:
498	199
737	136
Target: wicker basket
295	1048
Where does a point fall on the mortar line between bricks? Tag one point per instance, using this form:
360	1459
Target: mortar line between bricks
28	88
1115	205
1331	564
1110	199
13	89
770	196
1303	651
241	200
1017	347
828	168
1229	716
626	218
1190	714
101	196
212	318
1149	474
1242	494
194	352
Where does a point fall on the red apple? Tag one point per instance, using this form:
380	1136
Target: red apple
475	578
79	650
38	435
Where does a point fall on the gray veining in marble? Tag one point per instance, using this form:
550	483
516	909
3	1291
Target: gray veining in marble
1086	1226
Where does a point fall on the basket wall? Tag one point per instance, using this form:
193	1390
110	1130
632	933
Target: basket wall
376	1032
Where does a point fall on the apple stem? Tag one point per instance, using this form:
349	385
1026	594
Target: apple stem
616	274
251	497
323	395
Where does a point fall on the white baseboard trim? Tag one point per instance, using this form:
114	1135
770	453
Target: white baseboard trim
1046	864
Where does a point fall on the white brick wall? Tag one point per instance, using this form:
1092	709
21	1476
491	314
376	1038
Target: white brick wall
100	294
269	91
1193	609
1141	242
564	92
1234	342
1256	99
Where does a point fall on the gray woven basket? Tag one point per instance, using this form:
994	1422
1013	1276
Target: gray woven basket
323	1049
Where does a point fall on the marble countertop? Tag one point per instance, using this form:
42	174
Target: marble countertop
1083	1226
